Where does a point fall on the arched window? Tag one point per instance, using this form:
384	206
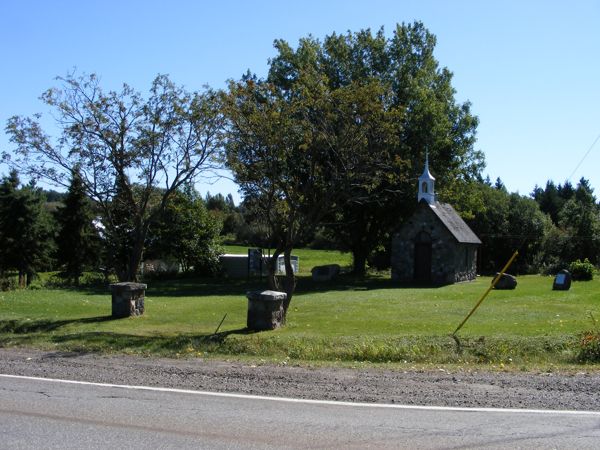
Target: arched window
424	187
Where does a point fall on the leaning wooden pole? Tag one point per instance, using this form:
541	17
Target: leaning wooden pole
494	282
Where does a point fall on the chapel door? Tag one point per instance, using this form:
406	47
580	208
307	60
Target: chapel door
423	259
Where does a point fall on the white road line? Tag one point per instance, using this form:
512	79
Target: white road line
307	401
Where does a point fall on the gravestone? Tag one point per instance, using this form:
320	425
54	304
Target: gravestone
265	310
506	281
127	299
254	261
325	273
562	281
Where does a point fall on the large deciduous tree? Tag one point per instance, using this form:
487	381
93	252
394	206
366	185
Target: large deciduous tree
126	147
337	132
417	112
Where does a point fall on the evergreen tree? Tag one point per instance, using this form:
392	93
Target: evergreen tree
77	239
120	235
580	219
25	230
8	194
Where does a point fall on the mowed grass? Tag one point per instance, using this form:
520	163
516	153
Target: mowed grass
349	320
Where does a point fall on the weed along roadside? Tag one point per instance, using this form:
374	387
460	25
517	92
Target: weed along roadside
345	321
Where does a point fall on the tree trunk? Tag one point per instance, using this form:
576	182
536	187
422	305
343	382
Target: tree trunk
289	281
22	279
272	270
359	261
135	259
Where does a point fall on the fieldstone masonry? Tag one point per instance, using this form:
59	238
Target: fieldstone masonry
451	261
265	310
127	299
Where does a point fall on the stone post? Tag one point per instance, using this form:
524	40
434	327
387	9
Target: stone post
127	299
265	310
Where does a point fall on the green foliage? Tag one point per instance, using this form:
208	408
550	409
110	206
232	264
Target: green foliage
78	241
126	147
590	343
188	234
590	347
231	217
122	235
552	198
507	222
392	101
26	230
60	280
576	217
582	270
336	134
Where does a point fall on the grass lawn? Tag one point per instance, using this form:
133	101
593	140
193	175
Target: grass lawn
349	320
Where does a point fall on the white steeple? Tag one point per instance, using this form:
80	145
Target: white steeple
426	184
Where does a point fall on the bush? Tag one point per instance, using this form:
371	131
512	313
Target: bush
60	280
582	270
379	259
589	351
8	283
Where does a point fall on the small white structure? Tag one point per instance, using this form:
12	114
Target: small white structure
236	266
426	184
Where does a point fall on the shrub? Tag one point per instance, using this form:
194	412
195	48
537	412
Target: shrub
582	270
8	283
589	351
60	280
589	346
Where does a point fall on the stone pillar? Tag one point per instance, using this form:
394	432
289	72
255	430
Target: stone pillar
127	299
265	310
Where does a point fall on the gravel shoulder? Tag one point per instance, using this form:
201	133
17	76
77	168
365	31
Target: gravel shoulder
579	391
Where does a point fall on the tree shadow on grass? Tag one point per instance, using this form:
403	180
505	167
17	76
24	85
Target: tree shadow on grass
348	282
155	344
228	287
24	332
44	326
186	287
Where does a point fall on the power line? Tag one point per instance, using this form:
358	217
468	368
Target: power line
584	156
534	236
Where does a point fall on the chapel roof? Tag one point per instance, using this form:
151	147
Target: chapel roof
454	223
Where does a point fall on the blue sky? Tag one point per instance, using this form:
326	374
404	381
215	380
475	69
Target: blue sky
530	68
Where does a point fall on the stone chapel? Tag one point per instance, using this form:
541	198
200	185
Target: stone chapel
435	245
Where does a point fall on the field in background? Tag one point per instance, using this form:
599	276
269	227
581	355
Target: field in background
348	320
308	258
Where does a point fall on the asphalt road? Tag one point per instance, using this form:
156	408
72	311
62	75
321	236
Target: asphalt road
36	413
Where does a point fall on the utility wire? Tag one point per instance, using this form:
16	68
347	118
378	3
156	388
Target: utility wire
584	156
